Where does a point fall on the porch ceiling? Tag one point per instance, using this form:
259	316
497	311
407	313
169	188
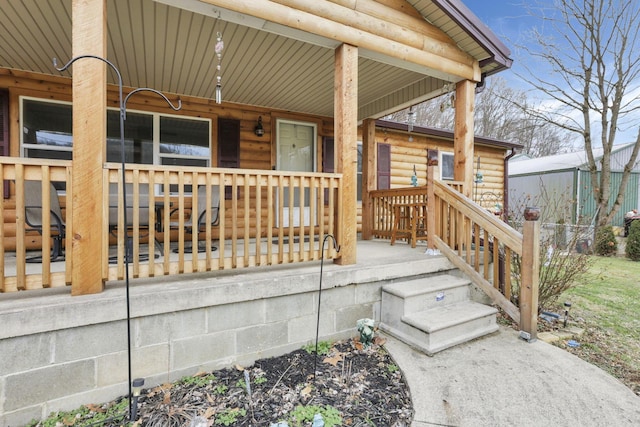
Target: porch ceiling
157	44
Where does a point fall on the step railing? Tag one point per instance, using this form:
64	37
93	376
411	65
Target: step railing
483	247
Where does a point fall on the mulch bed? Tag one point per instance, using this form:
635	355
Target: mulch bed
364	385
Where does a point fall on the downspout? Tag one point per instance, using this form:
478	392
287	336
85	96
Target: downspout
505	209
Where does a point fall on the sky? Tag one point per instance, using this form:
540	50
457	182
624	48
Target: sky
511	21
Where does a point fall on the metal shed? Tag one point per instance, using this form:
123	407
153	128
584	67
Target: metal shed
565	179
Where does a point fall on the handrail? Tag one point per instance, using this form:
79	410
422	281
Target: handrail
382	202
483	247
45	273
260	220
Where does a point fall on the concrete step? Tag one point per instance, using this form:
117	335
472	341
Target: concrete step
424	293
434	313
439	328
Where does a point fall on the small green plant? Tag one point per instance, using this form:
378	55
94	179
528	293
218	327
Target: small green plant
323	348
606	243
220	389
87	415
303	415
198	380
632	250
392	367
229	416
260	380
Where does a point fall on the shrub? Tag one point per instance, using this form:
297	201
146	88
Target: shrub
632	249
560	267
606	243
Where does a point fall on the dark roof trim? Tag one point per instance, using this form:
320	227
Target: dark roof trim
444	134
460	14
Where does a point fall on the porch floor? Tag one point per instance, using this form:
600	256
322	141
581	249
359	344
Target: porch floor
371	252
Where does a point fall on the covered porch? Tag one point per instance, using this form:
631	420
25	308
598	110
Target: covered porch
338	67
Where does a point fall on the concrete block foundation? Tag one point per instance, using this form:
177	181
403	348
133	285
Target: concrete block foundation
59	352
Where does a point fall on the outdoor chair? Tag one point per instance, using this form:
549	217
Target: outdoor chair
197	220
34	216
143	215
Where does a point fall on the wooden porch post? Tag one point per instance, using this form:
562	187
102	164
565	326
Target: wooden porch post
368	174
463	135
530	273
432	169
346	136
89	30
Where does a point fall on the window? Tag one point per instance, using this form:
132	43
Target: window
150	138
184	142
46	129
138	142
446	166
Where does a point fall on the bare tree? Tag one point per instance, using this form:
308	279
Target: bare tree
589	68
499	114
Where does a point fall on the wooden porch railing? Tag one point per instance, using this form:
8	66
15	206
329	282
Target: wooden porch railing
259	219
483	247
475	240
382	202
259	222
18	274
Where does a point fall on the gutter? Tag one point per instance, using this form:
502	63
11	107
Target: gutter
505	208
445	134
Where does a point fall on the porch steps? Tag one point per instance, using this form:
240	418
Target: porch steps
434	313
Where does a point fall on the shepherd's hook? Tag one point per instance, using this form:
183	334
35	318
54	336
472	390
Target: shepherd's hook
336	247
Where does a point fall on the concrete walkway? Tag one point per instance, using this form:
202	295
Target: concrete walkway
501	380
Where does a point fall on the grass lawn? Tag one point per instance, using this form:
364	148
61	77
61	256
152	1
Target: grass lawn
606	303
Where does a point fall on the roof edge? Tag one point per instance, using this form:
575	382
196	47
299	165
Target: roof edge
444	133
479	31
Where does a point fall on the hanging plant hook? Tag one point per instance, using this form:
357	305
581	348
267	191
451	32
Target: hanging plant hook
336	247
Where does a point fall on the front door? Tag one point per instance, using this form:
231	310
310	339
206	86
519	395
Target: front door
296	148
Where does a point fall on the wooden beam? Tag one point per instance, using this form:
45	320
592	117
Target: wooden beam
330	27
368	175
346	137
414	22
430	39
463	135
89	30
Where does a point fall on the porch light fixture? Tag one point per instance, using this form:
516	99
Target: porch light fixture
259	130
136	387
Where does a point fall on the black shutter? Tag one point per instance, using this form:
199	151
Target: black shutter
228	143
4	132
384	166
328	155
228	147
328	161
